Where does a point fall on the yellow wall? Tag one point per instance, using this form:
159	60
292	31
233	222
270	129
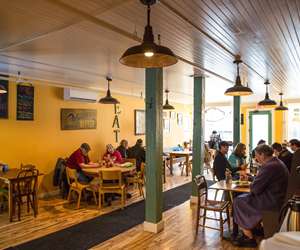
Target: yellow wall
277	121
41	142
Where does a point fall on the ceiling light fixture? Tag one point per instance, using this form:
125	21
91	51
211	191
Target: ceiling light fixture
148	54
108	99
281	107
167	105
267	101
2	90
238	89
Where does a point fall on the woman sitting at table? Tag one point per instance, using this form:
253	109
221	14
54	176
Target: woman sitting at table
238	156
111	156
267	192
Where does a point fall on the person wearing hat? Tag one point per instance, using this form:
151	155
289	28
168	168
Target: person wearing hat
80	160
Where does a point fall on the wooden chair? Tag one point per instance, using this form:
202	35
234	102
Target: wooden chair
27	167
3	196
184	166
77	187
210	205
25	187
111	183
138	179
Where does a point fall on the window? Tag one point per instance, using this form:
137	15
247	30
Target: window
294	121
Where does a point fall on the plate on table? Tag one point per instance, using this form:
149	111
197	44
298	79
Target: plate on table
125	165
239	183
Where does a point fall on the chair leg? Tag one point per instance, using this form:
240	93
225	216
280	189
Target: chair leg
95	197
204	219
221	225
19	210
197	217
79	198
123	199
28	203
69	195
100	200
228	218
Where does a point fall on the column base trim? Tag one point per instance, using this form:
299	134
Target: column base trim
154	227
194	199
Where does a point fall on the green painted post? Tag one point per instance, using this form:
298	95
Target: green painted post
198	130
236	119
154	144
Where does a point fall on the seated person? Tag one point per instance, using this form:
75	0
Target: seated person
137	152
283	154
260	142
186	146
221	163
123	148
111	156
267	192
80	160
238	156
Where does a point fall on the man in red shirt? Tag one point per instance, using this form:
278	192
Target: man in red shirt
80	160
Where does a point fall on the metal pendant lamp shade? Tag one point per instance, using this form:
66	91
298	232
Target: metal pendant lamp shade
167	106
267	101
108	99
148	54
238	89
281	107
2	90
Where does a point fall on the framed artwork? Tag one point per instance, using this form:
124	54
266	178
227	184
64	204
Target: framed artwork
25	102
75	119
4	100
167	125
173	115
180	120
139	122
165	114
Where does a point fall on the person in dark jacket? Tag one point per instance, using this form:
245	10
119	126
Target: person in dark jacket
123	148
137	152
283	154
221	163
260	142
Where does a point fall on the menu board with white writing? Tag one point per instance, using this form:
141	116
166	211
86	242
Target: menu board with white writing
25	102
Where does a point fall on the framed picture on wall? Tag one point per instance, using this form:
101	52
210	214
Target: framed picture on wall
167	125
75	119
139	122
173	115
4	100
180	120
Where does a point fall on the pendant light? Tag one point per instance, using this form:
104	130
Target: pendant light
267	101
2	90
148	54
167	105
281	107
108	99
238	89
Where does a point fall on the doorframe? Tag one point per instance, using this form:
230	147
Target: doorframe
265	112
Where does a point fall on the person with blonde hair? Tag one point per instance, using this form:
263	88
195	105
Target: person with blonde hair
238	156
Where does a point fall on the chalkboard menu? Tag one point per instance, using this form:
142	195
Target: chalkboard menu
4	100
25	102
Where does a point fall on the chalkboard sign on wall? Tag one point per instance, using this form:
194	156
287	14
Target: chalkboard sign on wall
25	102
4	100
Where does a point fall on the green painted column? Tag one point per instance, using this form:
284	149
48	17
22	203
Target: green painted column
236	120
198	130
154	149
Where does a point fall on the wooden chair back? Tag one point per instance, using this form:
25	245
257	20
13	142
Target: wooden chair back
114	176
27	167
72	176
142	172
201	189
26	182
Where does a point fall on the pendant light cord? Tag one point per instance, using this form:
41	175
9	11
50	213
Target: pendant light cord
148	14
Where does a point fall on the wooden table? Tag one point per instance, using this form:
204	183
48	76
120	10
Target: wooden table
95	171
230	187
185	154
9	177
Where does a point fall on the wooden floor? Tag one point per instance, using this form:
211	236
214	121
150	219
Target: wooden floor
56	214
